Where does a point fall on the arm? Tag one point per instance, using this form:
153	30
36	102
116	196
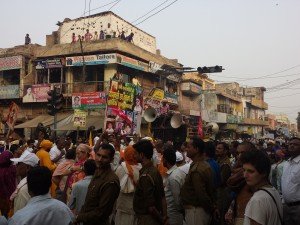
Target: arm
48	163
108	196
57	158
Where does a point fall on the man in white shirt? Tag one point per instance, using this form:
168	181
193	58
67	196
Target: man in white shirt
57	152
174	181
26	162
290	184
41	208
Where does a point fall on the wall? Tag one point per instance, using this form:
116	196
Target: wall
101	22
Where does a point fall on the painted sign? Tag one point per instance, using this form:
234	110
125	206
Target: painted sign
171	98
9	91
121	95
89	100
36	93
11	63
91	59
132	63
49	63
79	118
157	94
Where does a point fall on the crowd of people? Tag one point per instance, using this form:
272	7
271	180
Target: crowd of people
144	181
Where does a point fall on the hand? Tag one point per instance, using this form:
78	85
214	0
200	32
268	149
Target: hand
229	217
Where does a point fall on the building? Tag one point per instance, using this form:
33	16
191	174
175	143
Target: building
82	58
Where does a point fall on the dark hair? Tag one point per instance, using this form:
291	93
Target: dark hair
169	155
248	145
30	141
71	153
294	138
144	146
210	149
108	147
39	180
258	159
225	146
198	143
13	148
89	167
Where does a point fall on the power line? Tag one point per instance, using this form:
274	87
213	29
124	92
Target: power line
114	5
156	12
282	96
149	11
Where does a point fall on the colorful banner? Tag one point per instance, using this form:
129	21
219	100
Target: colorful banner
89	100
121	95
124	108
79	118
11	63
12	115
91	59
157	94
9	91
36	93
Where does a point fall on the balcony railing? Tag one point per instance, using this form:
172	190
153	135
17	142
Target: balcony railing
255	122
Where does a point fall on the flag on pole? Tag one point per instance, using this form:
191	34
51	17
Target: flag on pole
91	139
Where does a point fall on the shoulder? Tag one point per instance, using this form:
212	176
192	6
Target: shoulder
200	167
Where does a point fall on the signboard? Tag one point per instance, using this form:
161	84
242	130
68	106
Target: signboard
89	100
121	95
232	119
9	91
154	67
79	118
132	63
11	63
157	94
92	59
36	93
171	98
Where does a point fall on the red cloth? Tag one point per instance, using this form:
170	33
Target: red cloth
8	175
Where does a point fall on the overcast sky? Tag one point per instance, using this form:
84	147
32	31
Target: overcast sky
250	38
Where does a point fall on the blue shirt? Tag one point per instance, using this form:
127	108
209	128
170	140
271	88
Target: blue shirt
216	172
43	209
78	194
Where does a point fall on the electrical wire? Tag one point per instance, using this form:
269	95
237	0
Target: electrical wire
114	5
282	96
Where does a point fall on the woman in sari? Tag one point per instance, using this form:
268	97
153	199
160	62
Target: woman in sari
8	181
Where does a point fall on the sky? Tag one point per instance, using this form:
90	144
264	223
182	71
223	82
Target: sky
256	41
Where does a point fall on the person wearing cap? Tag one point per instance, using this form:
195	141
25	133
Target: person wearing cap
149	202
181	164
44	156
174	181
26	162
57	152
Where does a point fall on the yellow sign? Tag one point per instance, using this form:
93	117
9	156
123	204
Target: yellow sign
158	94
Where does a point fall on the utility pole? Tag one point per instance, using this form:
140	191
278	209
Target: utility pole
83	67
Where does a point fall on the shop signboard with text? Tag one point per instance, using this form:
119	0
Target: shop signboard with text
36	93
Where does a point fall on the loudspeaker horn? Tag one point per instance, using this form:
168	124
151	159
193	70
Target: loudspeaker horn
176	121
150	115
212	128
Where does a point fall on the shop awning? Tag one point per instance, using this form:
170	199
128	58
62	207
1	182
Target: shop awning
34	122
96	121
46	120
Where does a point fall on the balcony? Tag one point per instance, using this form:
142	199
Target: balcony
258	122
190	88
223	108
259	104
229	94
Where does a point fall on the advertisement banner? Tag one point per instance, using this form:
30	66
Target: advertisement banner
9	91
121	95
92	59
79	118
36	93
157	94
124	109
89	100
11	63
